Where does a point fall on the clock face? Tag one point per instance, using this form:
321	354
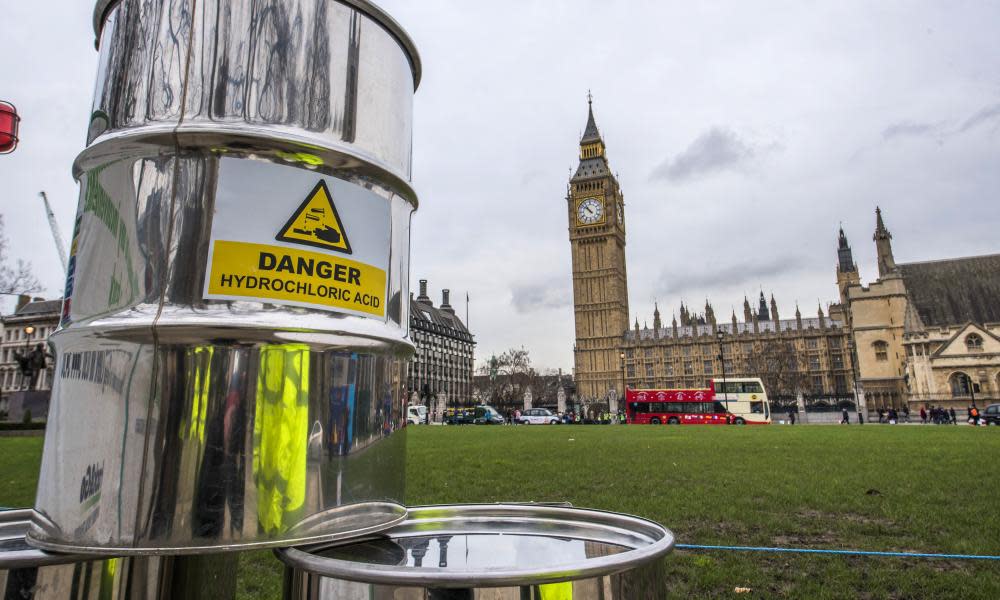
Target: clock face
590	211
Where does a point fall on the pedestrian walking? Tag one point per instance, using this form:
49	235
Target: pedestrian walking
975	414
951	413
791	417
906	413
846	418
923	415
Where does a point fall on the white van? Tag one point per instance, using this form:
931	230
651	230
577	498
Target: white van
416	414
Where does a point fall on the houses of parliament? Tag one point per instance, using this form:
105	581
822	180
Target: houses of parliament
922	333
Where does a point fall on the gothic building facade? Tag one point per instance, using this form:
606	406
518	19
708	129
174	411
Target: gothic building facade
595	211
807	356
922	333
927	333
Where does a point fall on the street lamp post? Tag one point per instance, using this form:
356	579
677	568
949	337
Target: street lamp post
624	387
26	373
854	376
722	360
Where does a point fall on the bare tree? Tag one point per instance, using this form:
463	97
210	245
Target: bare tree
510	374
777	364
18	279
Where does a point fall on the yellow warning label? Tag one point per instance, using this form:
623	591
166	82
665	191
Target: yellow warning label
316	223
270	272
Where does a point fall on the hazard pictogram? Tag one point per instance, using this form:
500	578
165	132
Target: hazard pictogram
316	223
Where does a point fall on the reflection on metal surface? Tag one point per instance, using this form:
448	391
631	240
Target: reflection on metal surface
477	551
180	424
296	72
27	573
281	436
219	444
490	551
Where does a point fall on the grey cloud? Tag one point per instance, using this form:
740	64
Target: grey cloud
697	281
990	113
939	131
717	149
909	128
530	297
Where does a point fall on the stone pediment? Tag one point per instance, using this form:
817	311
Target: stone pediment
956	344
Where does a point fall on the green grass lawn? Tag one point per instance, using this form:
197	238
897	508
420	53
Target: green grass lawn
20	459
907	488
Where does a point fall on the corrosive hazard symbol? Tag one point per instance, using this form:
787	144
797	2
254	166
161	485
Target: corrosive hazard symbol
316	223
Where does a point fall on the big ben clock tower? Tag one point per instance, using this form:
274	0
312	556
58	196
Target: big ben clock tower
596	211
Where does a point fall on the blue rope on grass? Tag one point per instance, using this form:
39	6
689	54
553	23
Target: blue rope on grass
842	552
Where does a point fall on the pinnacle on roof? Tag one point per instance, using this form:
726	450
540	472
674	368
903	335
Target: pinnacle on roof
880	231
844	256
590	133
883	246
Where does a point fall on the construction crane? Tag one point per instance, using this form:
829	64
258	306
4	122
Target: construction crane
60	246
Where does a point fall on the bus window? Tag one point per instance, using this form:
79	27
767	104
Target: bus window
638	407
752	387
757	407
720	408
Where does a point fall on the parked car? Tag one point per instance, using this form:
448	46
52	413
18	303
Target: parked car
991	415
416	414
459	416
487	415
538	416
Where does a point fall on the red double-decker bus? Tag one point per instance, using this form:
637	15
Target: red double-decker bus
674	407
737	401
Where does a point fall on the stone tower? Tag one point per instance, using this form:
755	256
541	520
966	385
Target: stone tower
762	312
883	246
847	269
596	212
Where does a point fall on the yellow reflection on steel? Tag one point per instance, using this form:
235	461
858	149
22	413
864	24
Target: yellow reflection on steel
281	434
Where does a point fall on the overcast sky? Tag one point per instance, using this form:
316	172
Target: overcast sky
743	133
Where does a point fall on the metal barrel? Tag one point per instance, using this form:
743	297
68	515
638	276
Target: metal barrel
27	573
495	551
229	360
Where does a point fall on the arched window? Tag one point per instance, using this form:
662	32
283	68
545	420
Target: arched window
960	384
881	350
973	342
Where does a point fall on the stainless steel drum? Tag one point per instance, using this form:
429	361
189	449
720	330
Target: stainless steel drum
496	552
27	573
229	362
